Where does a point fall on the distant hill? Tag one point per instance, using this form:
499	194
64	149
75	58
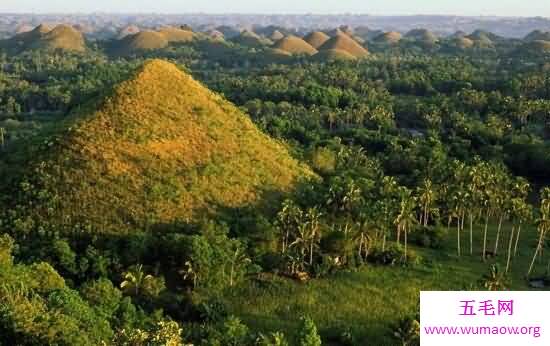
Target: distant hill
176	34
251	39
534	48
422	35
316	39
228	32
294	45
276	36
483	39
391	37
61	37
128	30
344	43
160	148
142	41
538	35
461	43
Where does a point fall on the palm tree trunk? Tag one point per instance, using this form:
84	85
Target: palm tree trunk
398	234
485	236
539	246
498	233
517	240
458	237
510	249
471	234
405	230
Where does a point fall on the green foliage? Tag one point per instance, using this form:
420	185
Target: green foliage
102	295
308	333
273	339
407	332
214	261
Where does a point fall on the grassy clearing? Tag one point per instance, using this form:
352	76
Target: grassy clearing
369	301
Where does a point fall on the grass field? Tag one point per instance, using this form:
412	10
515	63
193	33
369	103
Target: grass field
369	301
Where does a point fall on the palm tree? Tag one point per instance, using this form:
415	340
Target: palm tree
426	198
525	215
543	224
135	281
406	218
475	187
313	217
288	220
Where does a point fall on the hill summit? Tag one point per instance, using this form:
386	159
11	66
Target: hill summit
63	37
294	45
161	148
344	44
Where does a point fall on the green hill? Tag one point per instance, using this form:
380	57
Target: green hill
422	36
537	35
161	148
534	48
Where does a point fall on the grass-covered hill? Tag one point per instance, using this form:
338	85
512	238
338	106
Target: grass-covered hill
538	35
344	43
249	38
176	34
316	39
391	37
534	48
141	41
161	148
294	45
422	35
62	37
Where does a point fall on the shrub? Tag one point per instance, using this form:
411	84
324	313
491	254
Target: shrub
429	237
308	333
394	254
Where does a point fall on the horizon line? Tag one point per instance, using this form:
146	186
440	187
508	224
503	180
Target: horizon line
115	13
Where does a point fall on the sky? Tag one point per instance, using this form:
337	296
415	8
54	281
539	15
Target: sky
375	7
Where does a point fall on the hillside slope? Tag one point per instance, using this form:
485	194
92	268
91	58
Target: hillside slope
161	149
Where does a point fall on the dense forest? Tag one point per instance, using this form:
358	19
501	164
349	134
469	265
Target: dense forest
419	166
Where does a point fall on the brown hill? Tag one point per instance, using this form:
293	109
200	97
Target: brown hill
143	40
251	39
129	30
462	43
62	37
24	28
343	42
333	54
27	38
276	36
294	45
316	39
161	149
391	37
177	35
